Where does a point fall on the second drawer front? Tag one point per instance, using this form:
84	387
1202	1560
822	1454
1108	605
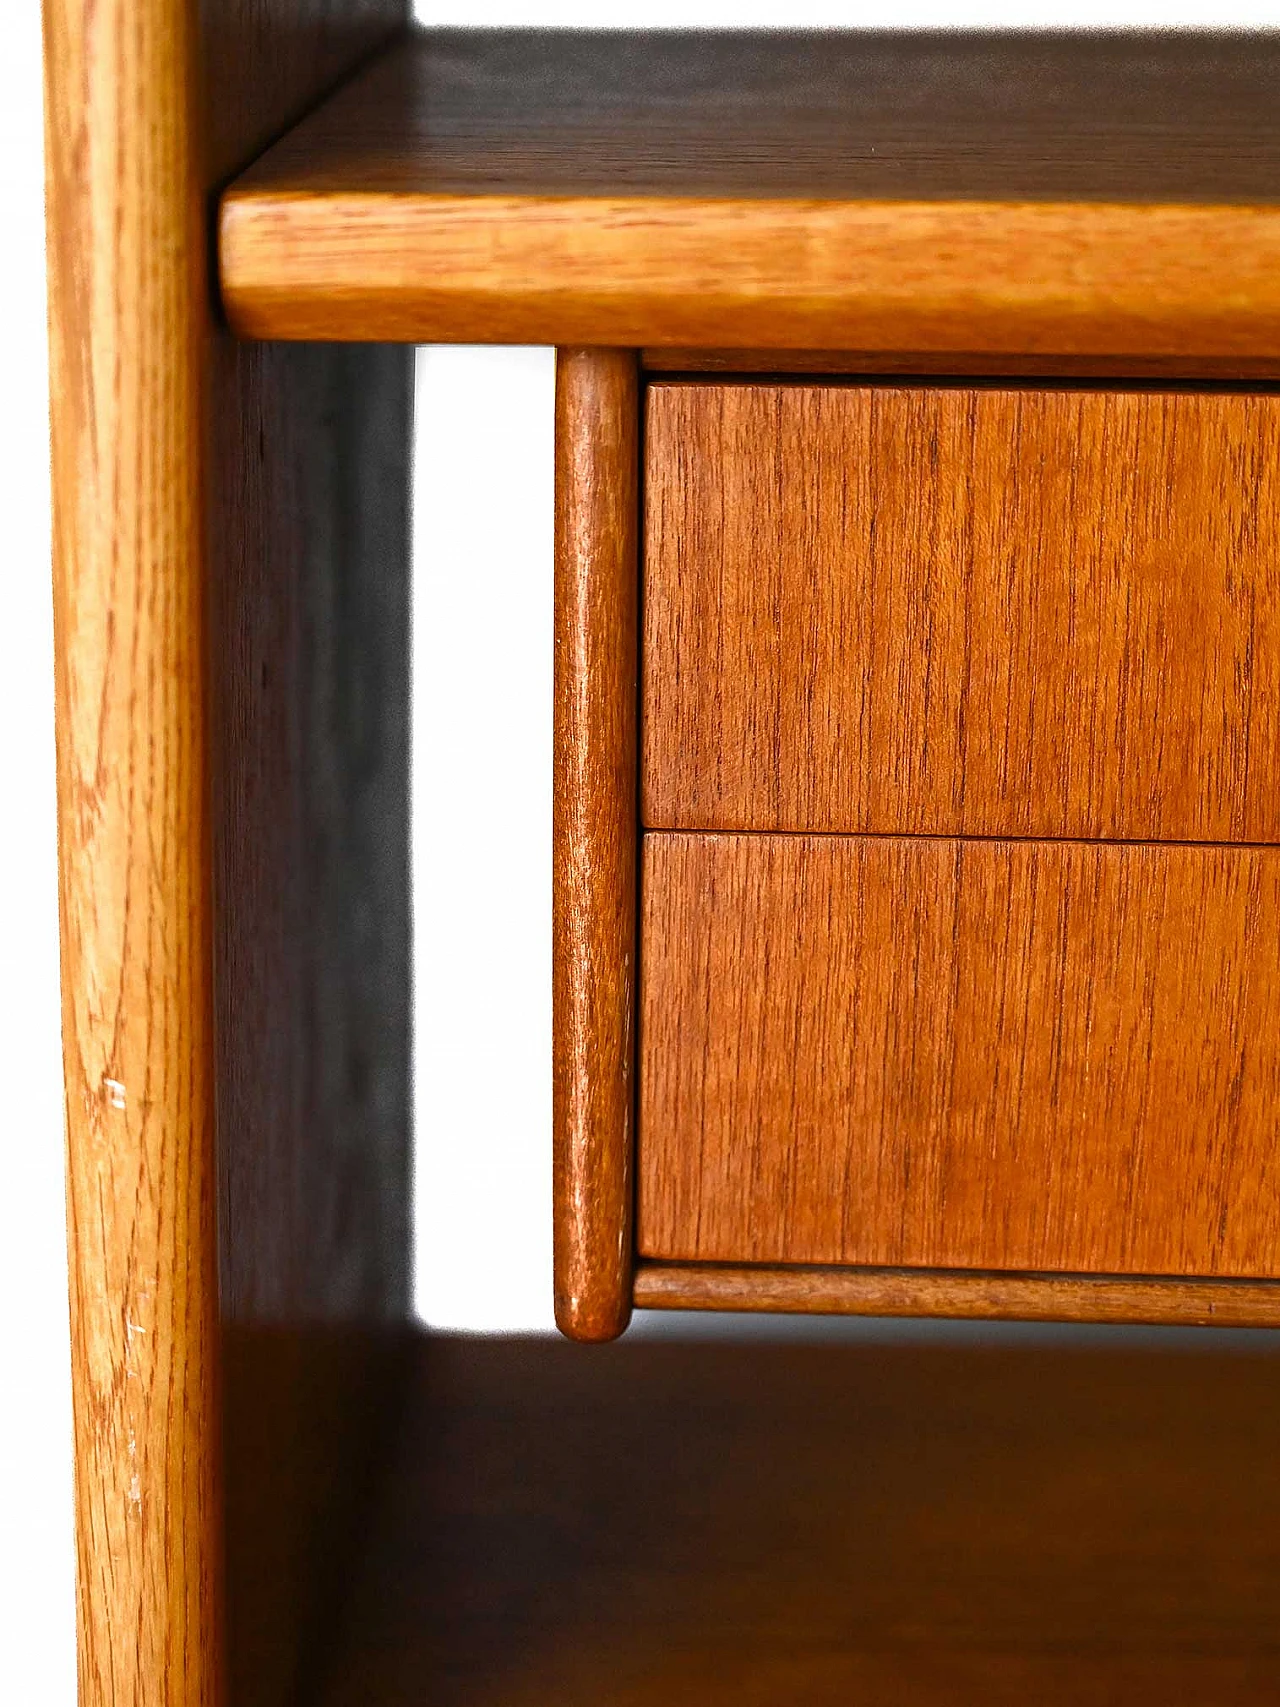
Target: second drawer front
981	611
960	1054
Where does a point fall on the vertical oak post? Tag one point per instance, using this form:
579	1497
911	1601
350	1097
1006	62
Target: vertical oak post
128	306
235	1204
595	836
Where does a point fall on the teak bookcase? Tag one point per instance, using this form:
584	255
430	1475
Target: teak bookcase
917	901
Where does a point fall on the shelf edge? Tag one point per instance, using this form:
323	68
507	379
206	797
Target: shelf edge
988	278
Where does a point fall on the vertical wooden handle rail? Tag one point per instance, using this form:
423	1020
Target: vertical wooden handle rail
595	836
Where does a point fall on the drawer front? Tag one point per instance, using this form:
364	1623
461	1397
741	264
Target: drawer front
962	611
986	1054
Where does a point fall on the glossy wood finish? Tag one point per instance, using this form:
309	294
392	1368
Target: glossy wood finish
1100	196
841	1520
595	837
956	1293
168	484
1019	612
960	1054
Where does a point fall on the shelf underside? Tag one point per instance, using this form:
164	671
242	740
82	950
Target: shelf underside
923	1524
948	197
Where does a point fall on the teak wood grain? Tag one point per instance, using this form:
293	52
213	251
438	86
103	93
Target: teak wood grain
166	509
962	610
962	1294
1101	196
595	836
960	1054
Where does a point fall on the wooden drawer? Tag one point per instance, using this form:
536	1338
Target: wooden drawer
962	610
983	1054
955	986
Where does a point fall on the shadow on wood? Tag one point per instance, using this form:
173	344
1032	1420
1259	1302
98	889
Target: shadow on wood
922	1523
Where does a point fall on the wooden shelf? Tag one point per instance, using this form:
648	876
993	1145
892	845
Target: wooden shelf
1114	197
920	1523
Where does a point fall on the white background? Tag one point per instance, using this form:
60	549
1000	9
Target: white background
482	734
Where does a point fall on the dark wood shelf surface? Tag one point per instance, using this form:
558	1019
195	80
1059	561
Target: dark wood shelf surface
837	114
838	1521
1080	194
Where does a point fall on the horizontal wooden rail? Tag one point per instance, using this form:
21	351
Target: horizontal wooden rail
830	1291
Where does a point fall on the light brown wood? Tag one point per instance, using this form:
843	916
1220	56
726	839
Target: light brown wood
1189	284
1113	196
960	1054
962	610
126	380
844	1517
169	479
595	836
956	1293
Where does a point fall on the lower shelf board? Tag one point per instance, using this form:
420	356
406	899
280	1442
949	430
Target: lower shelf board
921	1523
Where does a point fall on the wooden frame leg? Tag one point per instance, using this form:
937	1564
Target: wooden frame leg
595	835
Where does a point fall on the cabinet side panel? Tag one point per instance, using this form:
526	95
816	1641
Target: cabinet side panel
310	630
308	526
